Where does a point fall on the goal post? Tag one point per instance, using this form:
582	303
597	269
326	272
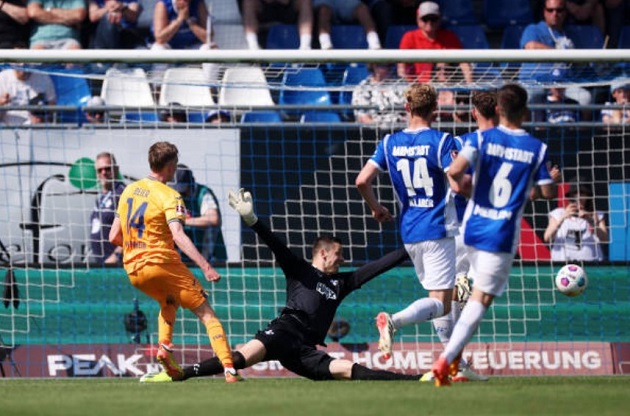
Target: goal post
59	307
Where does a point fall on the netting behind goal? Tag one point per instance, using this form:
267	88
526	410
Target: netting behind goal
301	173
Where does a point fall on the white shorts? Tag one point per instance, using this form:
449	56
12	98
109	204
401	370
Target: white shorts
434	261
490	270
461	255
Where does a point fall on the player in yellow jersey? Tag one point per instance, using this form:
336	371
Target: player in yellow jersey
149	223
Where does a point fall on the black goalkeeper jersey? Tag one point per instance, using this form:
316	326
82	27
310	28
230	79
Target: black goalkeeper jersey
313	296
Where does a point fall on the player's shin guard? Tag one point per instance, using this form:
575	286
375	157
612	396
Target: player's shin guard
360	372
219	342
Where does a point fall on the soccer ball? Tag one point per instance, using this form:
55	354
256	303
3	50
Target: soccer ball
571	280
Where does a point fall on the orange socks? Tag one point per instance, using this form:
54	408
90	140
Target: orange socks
219	342
166	321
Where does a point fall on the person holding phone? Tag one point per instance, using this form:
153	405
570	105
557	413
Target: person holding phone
577	230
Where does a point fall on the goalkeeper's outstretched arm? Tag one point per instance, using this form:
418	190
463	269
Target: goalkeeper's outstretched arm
242	202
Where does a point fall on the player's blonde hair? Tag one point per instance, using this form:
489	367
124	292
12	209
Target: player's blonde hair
422	100
161	154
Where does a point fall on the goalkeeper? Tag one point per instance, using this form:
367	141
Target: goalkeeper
314	292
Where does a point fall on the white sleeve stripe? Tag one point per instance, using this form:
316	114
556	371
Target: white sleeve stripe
370	161
439	154
385	140
541	155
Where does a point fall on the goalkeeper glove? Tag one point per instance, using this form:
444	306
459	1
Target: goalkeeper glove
243	204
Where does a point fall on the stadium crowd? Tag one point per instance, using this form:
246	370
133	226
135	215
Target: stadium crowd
327	24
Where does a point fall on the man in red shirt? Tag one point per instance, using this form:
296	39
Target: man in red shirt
430	35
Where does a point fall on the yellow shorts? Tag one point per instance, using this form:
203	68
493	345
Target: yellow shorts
169	283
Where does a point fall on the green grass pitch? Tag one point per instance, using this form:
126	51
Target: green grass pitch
594	395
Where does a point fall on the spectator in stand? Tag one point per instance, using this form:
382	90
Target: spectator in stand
56	25
380	90
183	24
19	87
549	34
203	216
392	12
556	110
557	104
14	25
344	12
114	24
577	231
104	210
286	11
620	91
430	35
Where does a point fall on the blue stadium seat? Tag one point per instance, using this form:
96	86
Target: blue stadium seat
140	117
283	37
197	116
348	37
320	117
502	13
458	12
471	36
585	36
261	117
511	38
354	74
395	34
72	90
303	77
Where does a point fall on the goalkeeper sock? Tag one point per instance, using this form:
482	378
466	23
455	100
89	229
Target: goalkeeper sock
360	372
213	366
219	343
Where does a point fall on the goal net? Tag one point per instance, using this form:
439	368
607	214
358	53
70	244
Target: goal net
285	127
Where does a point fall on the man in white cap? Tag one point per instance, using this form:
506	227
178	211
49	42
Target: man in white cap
620	91
430	35
93	111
